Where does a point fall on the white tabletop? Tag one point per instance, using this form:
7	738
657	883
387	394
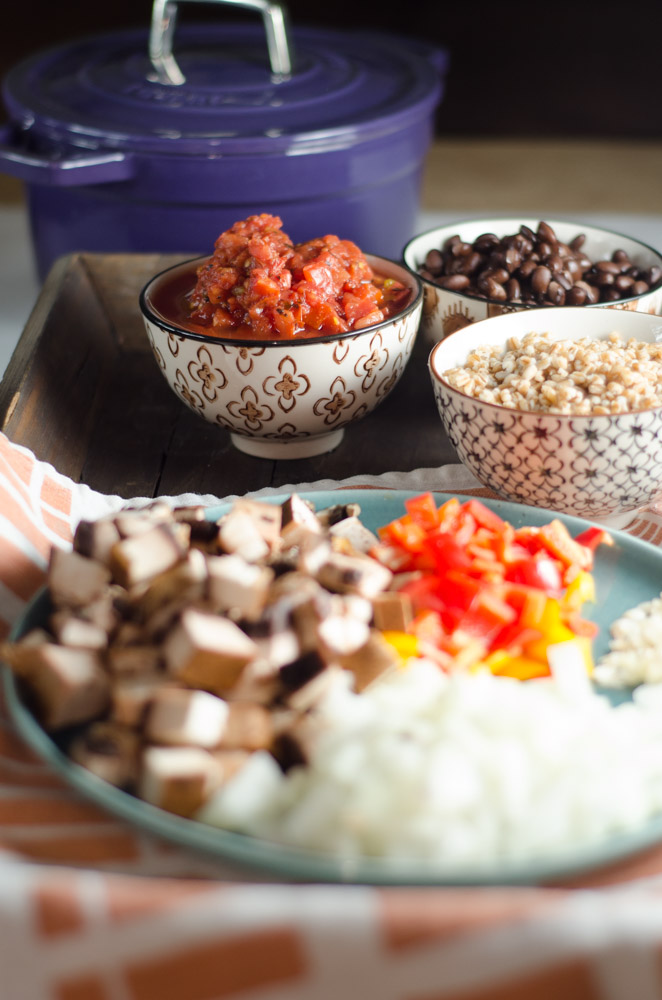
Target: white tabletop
19	286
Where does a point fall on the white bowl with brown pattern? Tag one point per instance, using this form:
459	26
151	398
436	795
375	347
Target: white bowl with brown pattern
601	467
284	399
446	311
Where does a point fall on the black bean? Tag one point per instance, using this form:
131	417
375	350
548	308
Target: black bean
537	268
540	279
513	290
455	282
546	233
486	242
434	262
576	296
623	282
556	293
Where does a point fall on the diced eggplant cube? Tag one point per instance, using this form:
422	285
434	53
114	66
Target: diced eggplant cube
302	670
185	581
178	779
237	587
181	717
337	512
354	575
371	661
74	580
133	661
238	534
108	750
355	532
132	696
69	685
341	635
208	652
267	518
95	539
139	558
248	727
70	630
392	611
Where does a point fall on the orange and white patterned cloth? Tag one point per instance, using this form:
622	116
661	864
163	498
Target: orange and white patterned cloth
90	909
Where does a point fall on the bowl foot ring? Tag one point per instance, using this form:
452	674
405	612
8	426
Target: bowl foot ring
298	448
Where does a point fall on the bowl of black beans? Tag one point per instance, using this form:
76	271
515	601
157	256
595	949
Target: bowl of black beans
478	268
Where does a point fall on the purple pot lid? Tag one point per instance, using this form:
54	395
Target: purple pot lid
346	87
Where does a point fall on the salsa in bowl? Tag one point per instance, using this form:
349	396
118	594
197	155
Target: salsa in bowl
282	344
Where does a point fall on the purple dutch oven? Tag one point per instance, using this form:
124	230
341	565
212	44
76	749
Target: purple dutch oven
125	148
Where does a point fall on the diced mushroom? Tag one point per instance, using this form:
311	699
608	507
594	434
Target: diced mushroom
392	611
336	513
137	521
371	661
70	630
355	532
68	685
239	534
293	745
206	651
95	539
314	550
310	694
354	575
353	605
135	660
185	581
237	587
140	558
180	717
19	655
106	611
248	727
302	670
258	683
110	751
132	695
267	518
74	580
306	617
299	521
178	779
275	648
229	763
340	636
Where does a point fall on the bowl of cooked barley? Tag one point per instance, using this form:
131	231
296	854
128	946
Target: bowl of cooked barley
559	408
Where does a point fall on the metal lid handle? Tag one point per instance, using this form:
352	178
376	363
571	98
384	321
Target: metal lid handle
164	20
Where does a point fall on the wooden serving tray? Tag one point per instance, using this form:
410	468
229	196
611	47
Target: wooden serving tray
84	392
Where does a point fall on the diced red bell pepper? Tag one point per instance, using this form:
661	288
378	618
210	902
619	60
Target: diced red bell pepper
539	571
423	511
593	537
484	516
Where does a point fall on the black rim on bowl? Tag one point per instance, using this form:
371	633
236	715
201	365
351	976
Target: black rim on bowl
407	275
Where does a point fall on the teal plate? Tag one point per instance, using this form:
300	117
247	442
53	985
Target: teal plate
625	574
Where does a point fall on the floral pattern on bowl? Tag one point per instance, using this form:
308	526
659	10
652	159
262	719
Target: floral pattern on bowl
289	398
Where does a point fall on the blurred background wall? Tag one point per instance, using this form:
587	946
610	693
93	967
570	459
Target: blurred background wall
571	68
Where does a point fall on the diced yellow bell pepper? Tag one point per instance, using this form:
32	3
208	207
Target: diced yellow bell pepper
553	629
579	591
403	643
523	668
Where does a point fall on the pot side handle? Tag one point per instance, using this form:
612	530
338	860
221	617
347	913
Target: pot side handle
88	168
